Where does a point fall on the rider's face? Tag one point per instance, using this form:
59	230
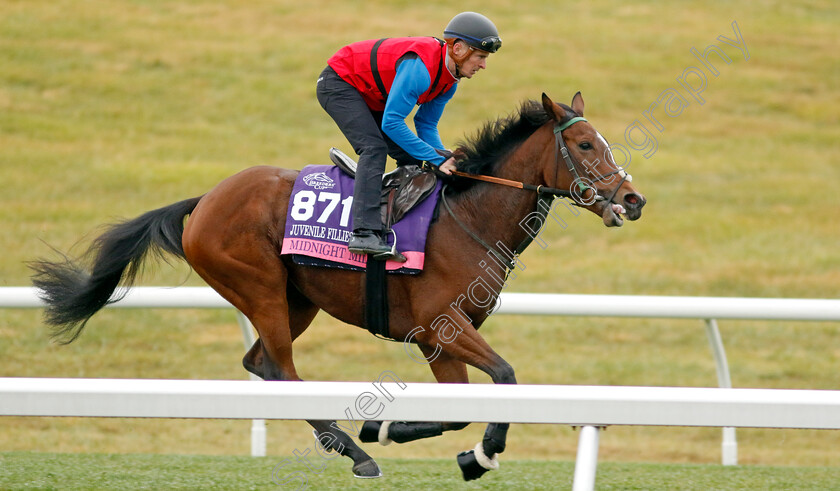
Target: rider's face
475	62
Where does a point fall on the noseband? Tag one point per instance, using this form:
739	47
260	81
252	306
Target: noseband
545	194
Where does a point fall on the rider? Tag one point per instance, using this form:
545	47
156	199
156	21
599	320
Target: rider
370	87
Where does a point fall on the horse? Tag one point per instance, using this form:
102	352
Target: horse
233	233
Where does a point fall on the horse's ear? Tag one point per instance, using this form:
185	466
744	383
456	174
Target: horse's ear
577	103
551	108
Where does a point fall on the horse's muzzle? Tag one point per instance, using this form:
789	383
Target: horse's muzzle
630	206
633	203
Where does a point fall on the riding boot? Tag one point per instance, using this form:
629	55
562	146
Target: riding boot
366	241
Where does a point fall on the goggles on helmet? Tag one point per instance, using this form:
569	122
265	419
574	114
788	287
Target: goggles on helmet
491	44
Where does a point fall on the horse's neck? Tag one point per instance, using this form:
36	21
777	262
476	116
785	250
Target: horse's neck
497	212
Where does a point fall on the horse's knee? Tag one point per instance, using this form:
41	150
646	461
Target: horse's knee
503	373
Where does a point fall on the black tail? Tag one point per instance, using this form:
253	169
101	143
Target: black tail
73	294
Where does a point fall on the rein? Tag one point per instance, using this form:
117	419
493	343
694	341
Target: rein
540	189
545	194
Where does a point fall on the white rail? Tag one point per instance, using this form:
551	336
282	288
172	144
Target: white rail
671	307
517	303
551	404
586	406
706	308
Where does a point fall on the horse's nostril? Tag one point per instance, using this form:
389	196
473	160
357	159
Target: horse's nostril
634	201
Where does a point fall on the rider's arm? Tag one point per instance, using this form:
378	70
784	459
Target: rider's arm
411	81
427	117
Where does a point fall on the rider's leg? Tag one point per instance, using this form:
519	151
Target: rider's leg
356	121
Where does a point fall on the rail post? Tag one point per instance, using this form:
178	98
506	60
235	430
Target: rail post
258	432
729	444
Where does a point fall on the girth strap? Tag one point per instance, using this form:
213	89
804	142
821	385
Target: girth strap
376	298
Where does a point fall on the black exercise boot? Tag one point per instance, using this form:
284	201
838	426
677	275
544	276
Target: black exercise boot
368	242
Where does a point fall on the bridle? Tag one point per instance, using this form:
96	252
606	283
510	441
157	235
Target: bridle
560	145
560	149
545	194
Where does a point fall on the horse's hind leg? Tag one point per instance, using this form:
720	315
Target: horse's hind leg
301	314
328	434
279	314
279	323
230	240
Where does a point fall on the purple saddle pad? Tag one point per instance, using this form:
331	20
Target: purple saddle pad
320	220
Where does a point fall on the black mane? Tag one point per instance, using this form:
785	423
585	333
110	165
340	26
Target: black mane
497	138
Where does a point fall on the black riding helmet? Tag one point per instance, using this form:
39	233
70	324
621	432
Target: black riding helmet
474	29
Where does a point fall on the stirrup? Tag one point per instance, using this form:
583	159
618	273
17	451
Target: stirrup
367	243
393	254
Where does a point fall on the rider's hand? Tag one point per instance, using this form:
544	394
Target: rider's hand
448	166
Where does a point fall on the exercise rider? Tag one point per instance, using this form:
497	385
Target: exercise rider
370	87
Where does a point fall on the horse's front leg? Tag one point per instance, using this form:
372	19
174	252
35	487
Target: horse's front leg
474	463
467	346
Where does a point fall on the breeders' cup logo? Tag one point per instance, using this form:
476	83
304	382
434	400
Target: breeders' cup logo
319	180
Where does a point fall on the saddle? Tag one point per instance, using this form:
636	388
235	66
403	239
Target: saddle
402	188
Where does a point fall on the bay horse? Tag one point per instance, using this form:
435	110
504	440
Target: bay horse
233	235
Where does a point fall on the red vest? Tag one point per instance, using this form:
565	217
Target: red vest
370	66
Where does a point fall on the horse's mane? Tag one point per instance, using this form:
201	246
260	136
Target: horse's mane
495	139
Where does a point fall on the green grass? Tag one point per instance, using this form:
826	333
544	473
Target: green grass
23	470
110	109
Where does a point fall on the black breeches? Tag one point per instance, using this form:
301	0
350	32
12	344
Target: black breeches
362	128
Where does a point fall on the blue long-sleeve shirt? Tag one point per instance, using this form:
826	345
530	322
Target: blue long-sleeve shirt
411	81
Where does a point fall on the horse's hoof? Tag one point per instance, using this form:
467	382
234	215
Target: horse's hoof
370	432
469	465
367	470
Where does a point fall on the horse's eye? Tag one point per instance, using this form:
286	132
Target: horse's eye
585	146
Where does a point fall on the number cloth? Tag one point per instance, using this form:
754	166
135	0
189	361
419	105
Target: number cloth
319	223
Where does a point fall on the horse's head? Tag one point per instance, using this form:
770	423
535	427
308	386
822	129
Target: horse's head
587	168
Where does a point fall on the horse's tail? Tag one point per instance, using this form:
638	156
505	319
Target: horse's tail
73	294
